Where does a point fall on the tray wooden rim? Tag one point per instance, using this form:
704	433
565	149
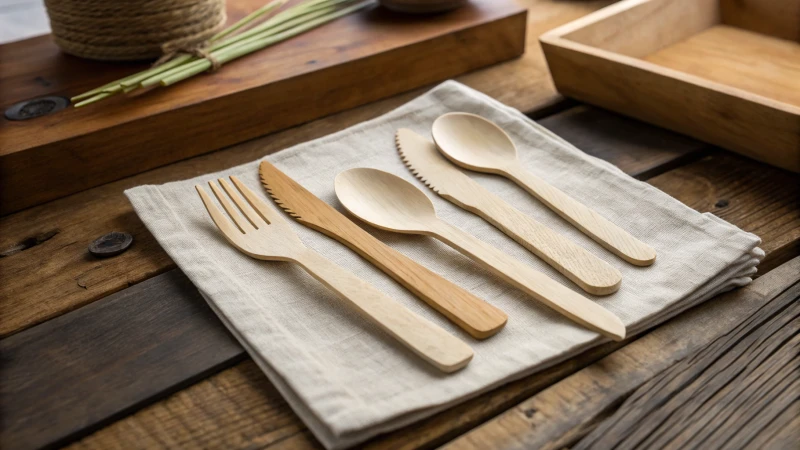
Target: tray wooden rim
556	37
758	126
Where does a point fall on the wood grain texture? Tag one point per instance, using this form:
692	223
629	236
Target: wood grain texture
721	396
391	203
478	318
637	158
354	60
761	200
779	18
586	270
257	230
627	28
593	61
60	267
562	414
87	368
727	55
475	143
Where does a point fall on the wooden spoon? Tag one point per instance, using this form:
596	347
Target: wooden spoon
478	144
391	203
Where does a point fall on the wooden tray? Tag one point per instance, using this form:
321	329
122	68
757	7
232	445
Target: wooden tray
361	58
723	71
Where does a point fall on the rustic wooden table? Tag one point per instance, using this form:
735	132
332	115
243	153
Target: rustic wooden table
124	353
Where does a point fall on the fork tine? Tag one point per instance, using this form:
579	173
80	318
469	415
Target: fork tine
244	207
233	213
224	225
265	211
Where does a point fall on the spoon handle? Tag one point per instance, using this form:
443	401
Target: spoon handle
544	289
605	233
591	273
423	337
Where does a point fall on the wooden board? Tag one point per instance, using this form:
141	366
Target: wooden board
360	58
561	415
677	65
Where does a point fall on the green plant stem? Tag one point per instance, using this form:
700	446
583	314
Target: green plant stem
225	46
280	18
125	84
96	98
100	89
248	18
217	54
202	65
137	78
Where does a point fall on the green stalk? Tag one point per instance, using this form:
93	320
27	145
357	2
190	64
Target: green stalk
96	98
198	62
126	84
226	46
238	51
100	89
137	78
280	18
248	18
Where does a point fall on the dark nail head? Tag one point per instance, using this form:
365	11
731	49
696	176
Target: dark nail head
111	244
37	107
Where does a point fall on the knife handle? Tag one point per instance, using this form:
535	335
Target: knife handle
583	268
478	318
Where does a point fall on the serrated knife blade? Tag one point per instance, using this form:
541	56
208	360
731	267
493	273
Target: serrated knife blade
478	318
421	156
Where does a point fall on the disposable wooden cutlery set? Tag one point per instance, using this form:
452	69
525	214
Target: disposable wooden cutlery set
391	203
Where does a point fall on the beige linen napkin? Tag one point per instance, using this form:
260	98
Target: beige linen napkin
346	379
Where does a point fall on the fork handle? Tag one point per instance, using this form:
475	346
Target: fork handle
423	337
597	227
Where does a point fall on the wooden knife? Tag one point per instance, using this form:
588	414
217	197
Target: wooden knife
478	318
592	274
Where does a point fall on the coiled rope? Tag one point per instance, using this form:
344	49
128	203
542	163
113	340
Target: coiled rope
128	30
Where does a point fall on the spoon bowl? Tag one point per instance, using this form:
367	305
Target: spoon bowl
384	200
473	142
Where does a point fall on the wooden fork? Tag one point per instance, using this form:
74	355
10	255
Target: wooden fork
262	234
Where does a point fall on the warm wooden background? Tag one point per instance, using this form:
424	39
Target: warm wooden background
124	352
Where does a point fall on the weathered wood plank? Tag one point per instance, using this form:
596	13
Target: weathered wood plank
562	414
57	275
759	199
87	368
460	419
720	396
603	134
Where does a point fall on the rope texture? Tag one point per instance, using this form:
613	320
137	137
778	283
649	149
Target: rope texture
129	30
